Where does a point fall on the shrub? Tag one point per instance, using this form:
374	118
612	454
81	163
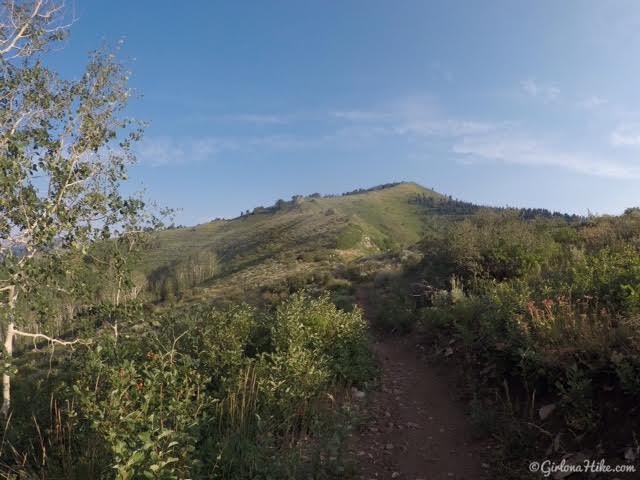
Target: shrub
349	237
200	392
319	326
148	415
543	309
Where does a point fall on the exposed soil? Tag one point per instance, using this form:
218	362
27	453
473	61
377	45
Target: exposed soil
416	428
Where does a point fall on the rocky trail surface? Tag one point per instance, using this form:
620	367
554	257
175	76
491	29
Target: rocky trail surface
415	427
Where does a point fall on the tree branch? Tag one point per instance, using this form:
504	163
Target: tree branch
55	341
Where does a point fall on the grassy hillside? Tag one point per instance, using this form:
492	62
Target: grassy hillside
295	237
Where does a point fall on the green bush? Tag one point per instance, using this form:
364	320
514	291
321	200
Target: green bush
349	237
330	333
200	392
149	415
544	309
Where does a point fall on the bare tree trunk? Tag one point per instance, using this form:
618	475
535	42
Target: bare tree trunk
11	333
6	379
8	347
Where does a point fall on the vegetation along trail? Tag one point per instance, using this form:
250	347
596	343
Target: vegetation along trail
415	427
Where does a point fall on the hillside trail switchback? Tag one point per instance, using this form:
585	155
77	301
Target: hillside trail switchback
415	427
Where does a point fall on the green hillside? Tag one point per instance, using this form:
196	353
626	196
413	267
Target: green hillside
304	234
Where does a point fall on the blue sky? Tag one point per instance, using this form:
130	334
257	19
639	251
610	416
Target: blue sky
502	102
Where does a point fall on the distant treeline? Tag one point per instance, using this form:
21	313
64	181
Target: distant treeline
279	205
372	189
451	206
298	199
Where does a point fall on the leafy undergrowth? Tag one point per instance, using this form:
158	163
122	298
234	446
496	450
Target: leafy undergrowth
542	318
196	393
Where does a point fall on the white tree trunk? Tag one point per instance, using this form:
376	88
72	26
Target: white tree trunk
6	379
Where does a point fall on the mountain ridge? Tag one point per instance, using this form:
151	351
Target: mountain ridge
306	233
303	236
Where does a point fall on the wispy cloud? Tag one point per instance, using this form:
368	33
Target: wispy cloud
626	135
165	151
244	118
361	115
545	92
522	150
445	128
410	117
594	101
161	151
257	118
409	125
417	129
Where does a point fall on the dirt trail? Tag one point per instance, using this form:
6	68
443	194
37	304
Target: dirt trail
416	428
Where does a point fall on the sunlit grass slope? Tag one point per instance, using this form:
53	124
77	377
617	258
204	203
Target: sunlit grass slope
306	233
